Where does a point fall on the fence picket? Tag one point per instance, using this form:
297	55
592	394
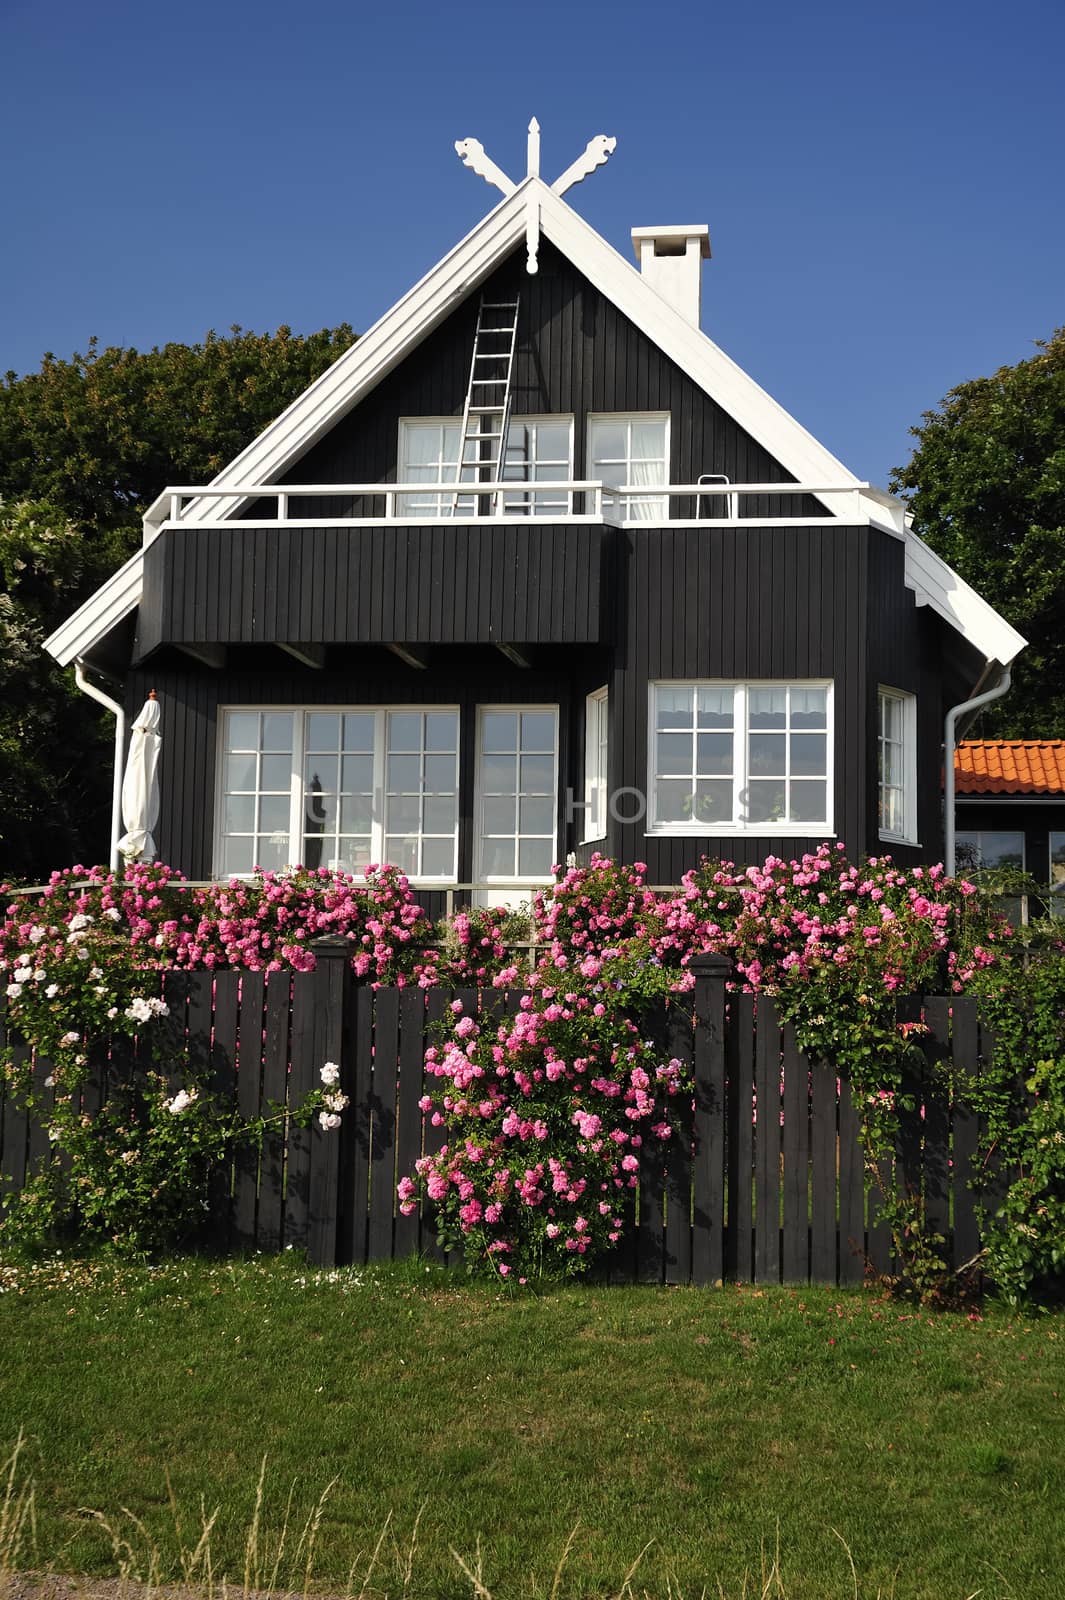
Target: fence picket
824	1183
409	1140
383	1127
708	1129
795	1255
275	1052
302	1078
767	1145
249	1068
851	1190
741	1177
965	1070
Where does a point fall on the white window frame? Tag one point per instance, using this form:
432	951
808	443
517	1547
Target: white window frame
596	764
908	702
468	505
565	473
480	874
297	810
620	507
737	825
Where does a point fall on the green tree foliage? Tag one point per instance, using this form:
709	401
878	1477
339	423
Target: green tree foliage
986	484
85	447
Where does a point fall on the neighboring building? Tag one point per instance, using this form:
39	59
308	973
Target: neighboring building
1011	806
681	628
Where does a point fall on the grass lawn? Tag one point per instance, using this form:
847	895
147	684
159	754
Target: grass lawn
721	1425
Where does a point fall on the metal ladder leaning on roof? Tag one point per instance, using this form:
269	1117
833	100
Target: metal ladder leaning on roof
482	443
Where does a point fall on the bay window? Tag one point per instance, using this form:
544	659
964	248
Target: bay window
740	758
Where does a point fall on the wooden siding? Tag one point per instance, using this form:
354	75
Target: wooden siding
191	696
577	354
771	603
392	584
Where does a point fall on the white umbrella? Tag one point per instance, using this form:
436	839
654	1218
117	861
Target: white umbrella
140	785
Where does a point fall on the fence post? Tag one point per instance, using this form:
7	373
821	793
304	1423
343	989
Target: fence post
711	973
333	992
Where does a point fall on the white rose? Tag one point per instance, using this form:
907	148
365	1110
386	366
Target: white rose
329	1120
330	1073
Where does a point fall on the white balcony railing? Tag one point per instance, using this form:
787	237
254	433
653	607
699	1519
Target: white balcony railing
546	500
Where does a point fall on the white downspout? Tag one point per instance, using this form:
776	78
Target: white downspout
949	741
120	749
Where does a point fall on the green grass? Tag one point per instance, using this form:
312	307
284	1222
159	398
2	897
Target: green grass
714	1427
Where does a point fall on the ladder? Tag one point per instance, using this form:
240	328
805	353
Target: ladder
482	442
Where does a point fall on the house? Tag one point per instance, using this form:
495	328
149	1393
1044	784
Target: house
534	569
1011	806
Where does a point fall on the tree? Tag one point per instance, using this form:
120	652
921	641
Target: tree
986	485
85	447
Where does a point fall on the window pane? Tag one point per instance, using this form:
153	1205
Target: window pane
438	858
715	752
438	814
359	731
674	752
537	815
240	814
498	857
649	441
277	730
499	815
499	774
323	731
404	730
673	801
272	854
809	708
273	814
808	802
356	814
242	730
765	800
238	855
535	858
240	772
402	853
607	441
766	753
440	775
404	773
673	707
319	811
809	754
716	707
403	813
499	731
537	775
276	772
538	730
441	730
713	802
767	708
356	773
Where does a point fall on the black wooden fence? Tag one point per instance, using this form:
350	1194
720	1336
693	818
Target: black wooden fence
764	1181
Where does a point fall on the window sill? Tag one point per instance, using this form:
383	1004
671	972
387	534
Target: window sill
735	830
898	838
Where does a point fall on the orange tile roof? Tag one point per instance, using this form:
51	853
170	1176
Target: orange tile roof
1010	766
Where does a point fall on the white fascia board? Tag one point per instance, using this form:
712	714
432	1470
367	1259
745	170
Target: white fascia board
936	583
114	600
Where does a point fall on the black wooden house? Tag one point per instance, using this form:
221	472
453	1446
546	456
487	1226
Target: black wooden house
654	618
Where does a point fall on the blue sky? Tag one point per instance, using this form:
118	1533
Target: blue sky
883	184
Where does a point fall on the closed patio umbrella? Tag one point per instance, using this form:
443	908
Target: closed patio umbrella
140	785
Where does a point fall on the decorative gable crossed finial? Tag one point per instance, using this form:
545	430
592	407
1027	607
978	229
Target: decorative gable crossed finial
596	152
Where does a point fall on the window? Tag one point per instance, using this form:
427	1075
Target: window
897	765
631	451
989	851
1057	874
740	758
537	447
517	789
597	707
340	788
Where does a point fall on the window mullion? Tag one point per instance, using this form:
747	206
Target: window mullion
740	809
377	815
296	801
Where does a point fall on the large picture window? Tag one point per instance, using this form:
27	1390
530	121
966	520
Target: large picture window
517	793
740	758
339	788
631	451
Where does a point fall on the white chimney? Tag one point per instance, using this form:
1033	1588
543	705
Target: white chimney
671	261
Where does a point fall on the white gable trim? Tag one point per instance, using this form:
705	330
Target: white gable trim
936	584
